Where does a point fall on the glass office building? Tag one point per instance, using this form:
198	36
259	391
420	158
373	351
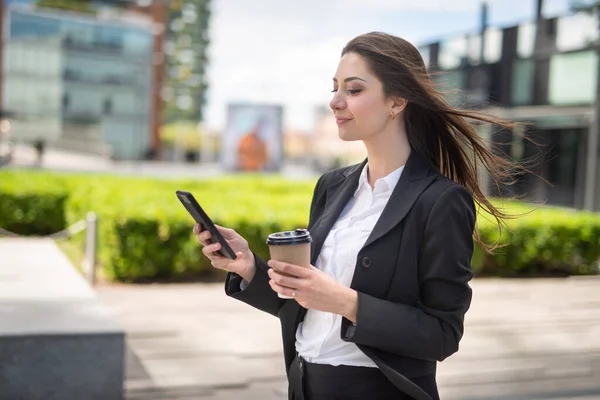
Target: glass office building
546	77
78	80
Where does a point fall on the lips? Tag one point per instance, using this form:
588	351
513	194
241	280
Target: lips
341	121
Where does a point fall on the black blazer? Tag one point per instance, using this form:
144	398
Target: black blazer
411	275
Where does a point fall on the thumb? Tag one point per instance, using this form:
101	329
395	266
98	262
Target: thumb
226	232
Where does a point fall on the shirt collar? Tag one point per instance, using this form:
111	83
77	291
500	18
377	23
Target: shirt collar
388	182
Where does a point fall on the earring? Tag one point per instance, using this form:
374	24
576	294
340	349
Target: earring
393	116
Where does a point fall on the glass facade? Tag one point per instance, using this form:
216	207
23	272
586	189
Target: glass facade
451	83
522	83
547	80
100	75
563	73
576	31
426	54
452	53
525	40
110	71
493	46
573	78
10	2
80	34
474	49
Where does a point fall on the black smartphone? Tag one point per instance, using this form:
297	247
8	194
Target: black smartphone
192	206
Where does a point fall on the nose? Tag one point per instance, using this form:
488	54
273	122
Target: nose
337	103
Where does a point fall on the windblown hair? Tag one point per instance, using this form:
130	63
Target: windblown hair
439	132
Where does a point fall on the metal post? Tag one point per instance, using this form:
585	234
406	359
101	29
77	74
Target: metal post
483	27
90	247
592	144
591	163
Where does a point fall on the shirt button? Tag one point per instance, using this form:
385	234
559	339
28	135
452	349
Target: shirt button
365	262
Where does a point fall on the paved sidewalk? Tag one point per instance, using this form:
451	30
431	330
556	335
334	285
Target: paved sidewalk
525	339
70	161
529	339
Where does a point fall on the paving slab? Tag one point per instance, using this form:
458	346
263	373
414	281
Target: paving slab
525	339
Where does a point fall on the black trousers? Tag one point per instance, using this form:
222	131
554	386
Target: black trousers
325	382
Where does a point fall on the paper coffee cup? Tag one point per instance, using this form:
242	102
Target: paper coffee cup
292	247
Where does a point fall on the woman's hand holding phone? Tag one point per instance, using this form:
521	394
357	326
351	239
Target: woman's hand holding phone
243	265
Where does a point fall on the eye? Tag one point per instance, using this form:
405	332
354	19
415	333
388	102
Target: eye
349	91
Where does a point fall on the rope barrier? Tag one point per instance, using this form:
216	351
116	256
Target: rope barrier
90	224
64	234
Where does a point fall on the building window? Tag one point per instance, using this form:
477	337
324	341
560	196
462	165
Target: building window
475	49
451	85
576	31
452	53
426	54
493	46
526	40
573	78
522	83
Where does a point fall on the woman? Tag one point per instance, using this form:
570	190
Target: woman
392	238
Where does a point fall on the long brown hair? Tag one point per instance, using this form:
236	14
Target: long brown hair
436	130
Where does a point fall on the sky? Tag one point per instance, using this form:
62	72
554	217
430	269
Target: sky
286	52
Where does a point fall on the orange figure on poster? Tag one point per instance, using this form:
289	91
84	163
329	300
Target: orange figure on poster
252	150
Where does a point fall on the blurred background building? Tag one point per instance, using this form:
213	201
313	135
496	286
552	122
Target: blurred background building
544	73
78	81
90	75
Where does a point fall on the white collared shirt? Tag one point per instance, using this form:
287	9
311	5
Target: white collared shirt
318	336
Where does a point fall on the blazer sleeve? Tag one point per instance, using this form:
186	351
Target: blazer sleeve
432	329
258	293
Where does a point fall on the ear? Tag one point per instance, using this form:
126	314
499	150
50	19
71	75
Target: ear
397	105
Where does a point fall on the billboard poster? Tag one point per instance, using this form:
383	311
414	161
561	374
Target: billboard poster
253	138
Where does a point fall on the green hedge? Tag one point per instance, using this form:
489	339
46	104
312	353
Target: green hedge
547	240
21	214
145	234
32	206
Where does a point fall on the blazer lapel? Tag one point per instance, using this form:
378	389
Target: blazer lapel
415	178
339	192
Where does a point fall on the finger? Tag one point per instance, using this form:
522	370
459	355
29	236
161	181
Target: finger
286	281
223	263
202	241
197	229
289	269
204	238
219	264
211	249
283	290
226	232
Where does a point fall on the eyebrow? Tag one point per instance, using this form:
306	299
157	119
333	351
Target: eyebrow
352	78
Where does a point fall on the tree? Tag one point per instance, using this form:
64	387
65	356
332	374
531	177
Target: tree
186	61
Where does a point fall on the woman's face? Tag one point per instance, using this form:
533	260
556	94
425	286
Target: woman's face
359	104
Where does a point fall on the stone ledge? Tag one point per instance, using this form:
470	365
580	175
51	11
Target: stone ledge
57	340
